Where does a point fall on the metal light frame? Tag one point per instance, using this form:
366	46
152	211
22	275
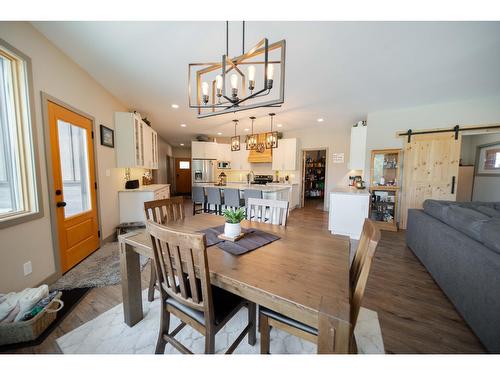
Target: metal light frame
252	139
235	141
231	105
272	136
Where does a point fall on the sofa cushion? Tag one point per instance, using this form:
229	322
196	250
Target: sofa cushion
435	208
490	234
489	211
466	220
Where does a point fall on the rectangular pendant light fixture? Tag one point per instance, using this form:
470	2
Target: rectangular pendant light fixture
272	136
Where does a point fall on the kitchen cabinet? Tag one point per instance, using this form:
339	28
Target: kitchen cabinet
204	150
357	152
293	195
224	152
239	160
285	156
136	142
132	201
348	210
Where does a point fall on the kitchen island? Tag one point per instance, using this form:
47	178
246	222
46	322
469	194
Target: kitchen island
348	210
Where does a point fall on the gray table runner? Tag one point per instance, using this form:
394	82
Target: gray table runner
253	239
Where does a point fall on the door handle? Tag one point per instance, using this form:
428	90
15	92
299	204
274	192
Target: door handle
61	204
453	185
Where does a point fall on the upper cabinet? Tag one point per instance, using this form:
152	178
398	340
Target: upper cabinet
357	153
204	150
239	159
285	156
136	142
223	152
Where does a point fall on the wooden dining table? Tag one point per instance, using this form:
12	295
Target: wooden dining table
303	275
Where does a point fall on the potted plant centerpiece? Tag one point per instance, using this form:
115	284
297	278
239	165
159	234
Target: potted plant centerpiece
232	228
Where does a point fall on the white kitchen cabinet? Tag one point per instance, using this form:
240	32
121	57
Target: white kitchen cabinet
224	152
357	152
132	201
239	160
285	156
136	142
293	196
348	210
204	150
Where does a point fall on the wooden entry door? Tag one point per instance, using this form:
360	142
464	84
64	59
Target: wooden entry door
430	170
182	175
74	184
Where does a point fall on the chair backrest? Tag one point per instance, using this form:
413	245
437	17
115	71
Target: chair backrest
214	195
232	197
163	211
177	254
276	212
251	193
198	194
361	265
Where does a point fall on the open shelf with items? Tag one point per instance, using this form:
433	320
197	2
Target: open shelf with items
384	189
314	174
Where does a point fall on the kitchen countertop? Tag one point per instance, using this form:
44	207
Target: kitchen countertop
350	191
243	186
152	187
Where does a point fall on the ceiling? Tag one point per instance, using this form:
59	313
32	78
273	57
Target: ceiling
338	71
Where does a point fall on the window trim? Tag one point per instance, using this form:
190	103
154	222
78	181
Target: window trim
36	212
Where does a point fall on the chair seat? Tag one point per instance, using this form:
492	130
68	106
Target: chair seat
283	319
224	304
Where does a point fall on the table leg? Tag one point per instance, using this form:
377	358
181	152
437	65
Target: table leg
131	284
334	328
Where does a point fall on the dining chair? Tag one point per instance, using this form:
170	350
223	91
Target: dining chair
198	197
358	277
270	210
162	211
214	196
232	198
184	278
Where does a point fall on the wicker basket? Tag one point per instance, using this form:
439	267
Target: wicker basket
11	333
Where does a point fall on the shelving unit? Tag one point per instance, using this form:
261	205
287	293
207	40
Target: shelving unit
384	189
314	174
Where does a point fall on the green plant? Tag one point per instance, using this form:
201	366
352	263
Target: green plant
234	216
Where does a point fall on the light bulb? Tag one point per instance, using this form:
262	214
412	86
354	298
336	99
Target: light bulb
251	73
204	88
270	71
218	81
234	81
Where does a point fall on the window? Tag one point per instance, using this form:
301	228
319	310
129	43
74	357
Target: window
183	165
18	188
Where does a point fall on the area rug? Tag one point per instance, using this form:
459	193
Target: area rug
108	334
100	269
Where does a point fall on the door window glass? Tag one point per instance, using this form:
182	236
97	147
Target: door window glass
73	152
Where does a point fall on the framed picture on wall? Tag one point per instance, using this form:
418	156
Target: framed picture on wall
488	160
107	137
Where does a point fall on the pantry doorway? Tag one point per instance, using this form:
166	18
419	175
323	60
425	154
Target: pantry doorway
314	178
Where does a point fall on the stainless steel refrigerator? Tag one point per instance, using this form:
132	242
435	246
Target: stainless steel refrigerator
203	171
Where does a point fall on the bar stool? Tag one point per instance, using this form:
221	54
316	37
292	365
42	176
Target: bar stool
214	196
232	198
198	197
251	193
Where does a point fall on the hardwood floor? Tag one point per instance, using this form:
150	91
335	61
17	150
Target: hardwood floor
415	315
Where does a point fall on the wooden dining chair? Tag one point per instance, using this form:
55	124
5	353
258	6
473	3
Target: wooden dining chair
267	210
162	211
358	277
184	279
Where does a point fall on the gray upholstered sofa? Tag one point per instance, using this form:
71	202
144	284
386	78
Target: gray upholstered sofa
459	244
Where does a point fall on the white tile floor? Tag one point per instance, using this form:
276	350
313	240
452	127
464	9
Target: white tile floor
108	334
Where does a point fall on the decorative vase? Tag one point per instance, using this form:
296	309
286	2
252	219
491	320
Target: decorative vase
232	230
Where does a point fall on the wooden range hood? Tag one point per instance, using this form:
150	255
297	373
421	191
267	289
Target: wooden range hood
261	157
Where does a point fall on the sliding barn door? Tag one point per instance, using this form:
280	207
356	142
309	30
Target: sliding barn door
430	170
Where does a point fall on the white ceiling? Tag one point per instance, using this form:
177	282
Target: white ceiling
339	71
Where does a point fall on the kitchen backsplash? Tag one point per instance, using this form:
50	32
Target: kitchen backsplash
241	175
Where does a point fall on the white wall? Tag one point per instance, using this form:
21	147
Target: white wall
58	76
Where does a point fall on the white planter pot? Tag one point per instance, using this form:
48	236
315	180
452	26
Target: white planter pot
232	230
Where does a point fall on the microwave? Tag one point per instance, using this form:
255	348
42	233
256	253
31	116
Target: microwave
223	165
